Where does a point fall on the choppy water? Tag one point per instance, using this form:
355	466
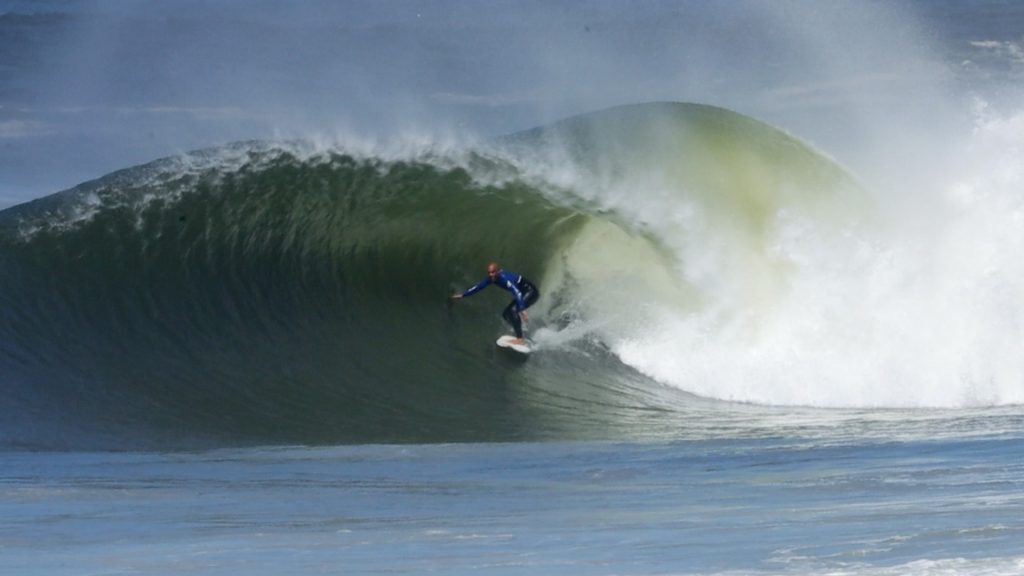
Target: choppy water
728	506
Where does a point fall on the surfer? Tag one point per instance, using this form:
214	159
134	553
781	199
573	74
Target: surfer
524	291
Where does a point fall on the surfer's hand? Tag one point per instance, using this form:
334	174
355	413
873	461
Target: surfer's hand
524	316
455	297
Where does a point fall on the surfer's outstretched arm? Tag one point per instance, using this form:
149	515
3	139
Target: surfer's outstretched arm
472	289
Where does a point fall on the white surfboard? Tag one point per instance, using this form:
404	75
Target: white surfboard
509	341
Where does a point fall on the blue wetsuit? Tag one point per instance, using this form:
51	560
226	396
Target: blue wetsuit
525	292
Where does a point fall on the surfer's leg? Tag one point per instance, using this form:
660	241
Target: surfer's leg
511	315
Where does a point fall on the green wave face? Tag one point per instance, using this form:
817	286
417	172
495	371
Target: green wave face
261	295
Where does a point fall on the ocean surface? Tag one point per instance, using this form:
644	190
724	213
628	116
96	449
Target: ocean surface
726	505
751	356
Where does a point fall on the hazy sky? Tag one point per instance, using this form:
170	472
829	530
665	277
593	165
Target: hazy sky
87	87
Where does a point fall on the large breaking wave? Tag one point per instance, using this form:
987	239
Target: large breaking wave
296	293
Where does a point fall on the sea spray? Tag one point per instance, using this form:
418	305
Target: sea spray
902	313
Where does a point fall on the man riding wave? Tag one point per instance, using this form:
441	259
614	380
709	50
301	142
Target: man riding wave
525	295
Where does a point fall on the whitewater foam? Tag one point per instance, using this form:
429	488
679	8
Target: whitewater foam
901	315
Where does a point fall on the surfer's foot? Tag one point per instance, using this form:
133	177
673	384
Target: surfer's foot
519	341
